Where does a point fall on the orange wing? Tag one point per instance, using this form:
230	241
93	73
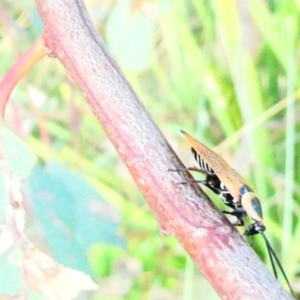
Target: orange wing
232	180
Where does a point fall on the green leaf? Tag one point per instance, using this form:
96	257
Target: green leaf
72	214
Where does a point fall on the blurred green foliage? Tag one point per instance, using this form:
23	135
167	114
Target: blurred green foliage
224	71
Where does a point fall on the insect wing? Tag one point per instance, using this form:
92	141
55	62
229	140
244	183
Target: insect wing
230	178
203	165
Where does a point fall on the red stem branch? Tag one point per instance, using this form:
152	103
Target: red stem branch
17	72
219	251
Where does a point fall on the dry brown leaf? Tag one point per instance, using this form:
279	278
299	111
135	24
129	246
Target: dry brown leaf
20	296
6	239
55	281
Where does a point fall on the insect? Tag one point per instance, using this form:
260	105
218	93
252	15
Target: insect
235	193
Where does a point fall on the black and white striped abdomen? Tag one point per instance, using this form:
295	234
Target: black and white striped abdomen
203	165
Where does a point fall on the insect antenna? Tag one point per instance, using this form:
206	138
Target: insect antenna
273	255
271	258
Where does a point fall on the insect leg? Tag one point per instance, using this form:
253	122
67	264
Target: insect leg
196	181
194	169
239	221
188	169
